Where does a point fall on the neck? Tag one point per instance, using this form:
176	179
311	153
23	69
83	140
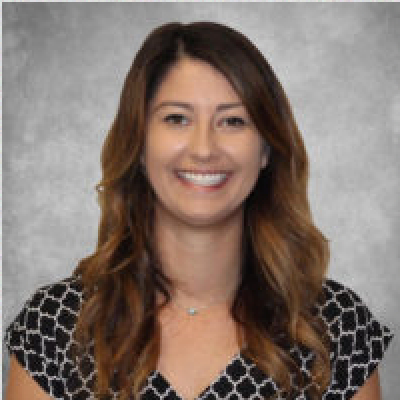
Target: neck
204	264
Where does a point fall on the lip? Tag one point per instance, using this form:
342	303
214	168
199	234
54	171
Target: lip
200	188
204	171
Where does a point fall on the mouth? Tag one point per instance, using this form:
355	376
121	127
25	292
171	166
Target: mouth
204	179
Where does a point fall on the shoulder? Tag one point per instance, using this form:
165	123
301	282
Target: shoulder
58	299
358	339
340	303
50	307
66	293
344	311
41	335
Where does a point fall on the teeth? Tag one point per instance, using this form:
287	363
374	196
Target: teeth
203	179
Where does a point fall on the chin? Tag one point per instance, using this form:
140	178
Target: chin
204	220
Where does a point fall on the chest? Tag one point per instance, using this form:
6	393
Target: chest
195	352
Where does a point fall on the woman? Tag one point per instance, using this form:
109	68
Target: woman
208	280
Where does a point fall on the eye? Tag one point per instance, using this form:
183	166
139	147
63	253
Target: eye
233	121
176	119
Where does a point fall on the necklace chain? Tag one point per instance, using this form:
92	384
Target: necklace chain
192	311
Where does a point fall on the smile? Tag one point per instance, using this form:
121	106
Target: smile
205	180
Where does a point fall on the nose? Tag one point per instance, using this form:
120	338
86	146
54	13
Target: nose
202	146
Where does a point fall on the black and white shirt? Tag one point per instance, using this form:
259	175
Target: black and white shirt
41	339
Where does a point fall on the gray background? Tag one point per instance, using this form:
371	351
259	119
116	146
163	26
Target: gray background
64	66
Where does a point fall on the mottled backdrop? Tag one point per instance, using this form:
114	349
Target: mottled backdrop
63	69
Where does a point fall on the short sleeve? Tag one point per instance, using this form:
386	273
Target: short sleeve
358	340
36	336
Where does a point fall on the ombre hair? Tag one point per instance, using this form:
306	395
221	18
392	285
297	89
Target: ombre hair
284	255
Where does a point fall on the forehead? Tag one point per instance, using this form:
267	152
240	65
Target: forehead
197	82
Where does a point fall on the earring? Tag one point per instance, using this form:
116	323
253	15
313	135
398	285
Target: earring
266	148
266	153
142	164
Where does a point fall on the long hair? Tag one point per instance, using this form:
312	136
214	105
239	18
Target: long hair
285	256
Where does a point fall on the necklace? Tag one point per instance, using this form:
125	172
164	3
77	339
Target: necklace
192	311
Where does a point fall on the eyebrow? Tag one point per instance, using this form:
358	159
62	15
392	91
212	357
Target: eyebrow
188	106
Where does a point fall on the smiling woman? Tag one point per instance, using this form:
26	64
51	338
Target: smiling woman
202	153
209	276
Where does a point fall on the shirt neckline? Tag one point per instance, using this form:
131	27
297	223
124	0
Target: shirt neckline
220	375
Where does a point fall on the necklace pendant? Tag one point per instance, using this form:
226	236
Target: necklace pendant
192	311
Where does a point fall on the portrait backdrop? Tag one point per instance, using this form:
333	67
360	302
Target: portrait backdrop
63	70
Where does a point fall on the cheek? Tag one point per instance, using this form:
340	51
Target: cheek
161	148
156	152
248	156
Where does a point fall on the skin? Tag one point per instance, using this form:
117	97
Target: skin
21	385
198	233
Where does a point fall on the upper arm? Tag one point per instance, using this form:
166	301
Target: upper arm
371	390
21	385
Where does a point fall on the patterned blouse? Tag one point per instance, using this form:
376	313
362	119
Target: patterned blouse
41	339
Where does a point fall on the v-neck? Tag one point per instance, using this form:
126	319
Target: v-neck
199	396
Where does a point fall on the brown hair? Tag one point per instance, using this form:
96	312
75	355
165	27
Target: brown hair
284	255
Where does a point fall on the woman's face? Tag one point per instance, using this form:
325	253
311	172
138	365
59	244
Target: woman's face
202	153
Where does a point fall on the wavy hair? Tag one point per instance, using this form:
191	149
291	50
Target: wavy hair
285	256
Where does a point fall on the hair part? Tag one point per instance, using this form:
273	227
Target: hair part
284	257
